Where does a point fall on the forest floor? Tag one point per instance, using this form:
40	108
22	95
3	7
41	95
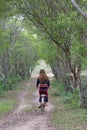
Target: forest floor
26	114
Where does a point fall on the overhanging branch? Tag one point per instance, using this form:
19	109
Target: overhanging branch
79	9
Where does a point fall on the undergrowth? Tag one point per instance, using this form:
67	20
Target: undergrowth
67	114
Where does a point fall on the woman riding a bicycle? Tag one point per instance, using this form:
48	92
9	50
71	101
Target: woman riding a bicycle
43	84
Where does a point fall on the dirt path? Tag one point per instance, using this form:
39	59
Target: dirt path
29	120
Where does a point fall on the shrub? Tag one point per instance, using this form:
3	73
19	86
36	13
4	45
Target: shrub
59	88
72	98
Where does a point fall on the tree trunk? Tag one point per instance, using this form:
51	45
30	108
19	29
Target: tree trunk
83	93
83	97
6	70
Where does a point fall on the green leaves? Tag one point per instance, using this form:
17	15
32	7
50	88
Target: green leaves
51	22
17	53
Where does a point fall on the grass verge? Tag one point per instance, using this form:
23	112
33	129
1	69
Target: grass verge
65	116
8	103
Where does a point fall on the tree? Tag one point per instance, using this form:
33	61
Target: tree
17	55
61	25
58	22
7	8
49	16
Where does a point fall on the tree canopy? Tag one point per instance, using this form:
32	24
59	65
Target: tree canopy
48	29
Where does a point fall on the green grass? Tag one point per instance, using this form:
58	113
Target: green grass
6	105
66	116
9	102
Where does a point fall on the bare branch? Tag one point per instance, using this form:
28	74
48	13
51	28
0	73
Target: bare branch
79	9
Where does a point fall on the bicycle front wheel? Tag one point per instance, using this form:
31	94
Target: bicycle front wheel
42	108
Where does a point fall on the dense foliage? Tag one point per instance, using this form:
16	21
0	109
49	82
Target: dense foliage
58	33
17	55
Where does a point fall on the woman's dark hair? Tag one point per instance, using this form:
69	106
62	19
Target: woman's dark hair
43	77
42	71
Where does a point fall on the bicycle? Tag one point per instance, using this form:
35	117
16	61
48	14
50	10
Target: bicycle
43	102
